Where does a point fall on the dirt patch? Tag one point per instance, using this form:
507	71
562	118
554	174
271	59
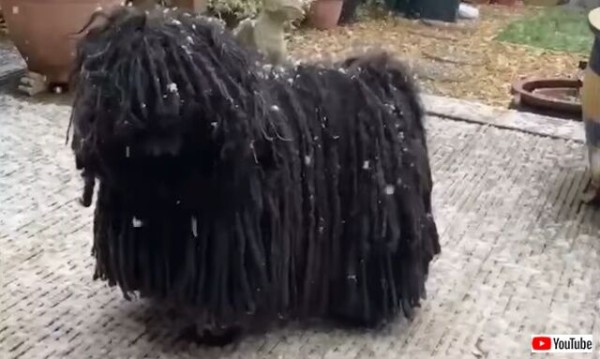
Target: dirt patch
462	61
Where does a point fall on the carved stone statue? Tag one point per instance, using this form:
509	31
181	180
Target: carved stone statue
266	33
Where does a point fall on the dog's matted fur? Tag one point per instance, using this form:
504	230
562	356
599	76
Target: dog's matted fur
251	193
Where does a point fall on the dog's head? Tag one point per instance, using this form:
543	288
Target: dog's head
161	75
164	84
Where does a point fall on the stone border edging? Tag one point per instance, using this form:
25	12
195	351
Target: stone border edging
13	73
13	69
469	111
10	72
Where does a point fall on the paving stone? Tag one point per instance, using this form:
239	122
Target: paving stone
520	255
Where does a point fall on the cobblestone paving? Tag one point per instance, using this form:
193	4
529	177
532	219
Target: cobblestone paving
520	256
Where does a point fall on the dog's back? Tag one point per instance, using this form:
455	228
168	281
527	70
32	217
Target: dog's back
358	130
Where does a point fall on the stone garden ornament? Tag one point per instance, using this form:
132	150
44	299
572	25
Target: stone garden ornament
266	33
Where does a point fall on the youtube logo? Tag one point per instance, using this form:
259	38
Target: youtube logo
550	343
541	343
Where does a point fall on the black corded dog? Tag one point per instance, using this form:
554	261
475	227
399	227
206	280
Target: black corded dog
252	195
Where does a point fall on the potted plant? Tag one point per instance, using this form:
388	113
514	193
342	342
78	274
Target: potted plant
325	14
44	32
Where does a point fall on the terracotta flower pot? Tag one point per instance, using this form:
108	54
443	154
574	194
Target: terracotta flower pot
555	94
325	14
44	32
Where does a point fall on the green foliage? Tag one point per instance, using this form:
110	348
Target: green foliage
234	9
559	29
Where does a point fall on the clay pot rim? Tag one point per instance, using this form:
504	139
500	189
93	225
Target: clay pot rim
524	89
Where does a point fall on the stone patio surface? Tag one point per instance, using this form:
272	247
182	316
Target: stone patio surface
520	253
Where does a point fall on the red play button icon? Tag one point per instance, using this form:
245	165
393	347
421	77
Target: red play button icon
541	343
